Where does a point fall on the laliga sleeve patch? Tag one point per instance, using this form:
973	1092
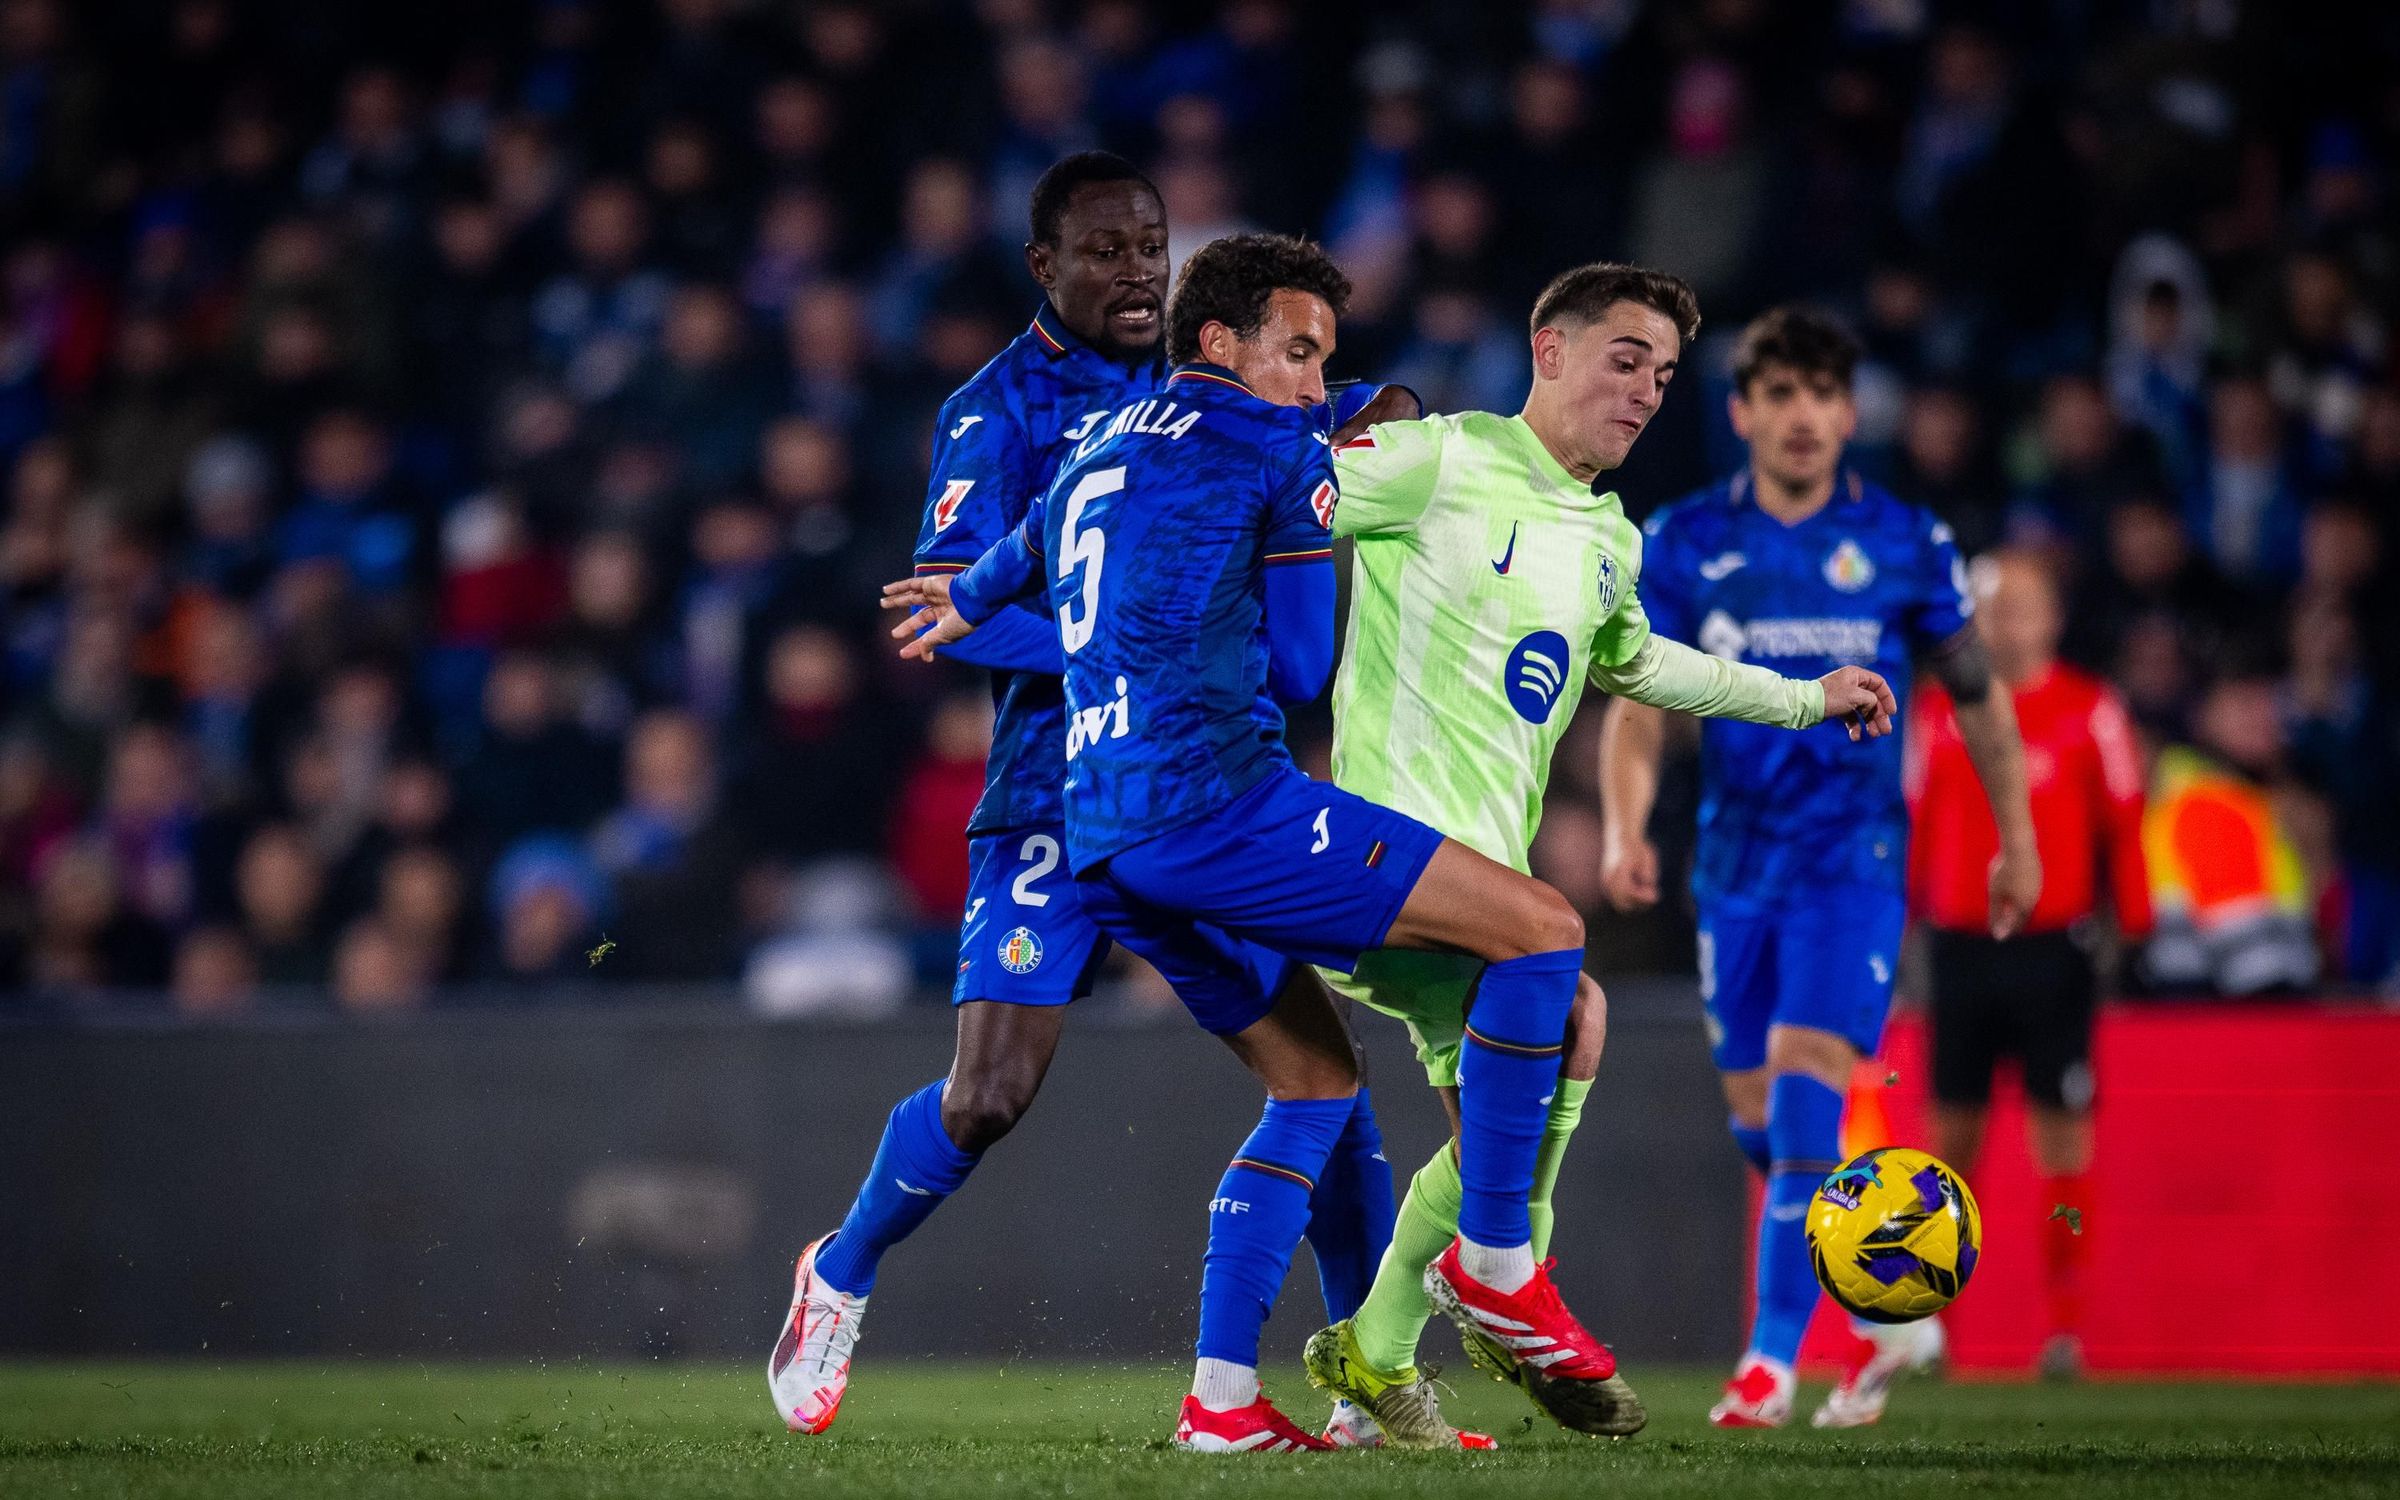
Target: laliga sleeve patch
945	509
1321	500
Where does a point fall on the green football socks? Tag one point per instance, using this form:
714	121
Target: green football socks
1392	1319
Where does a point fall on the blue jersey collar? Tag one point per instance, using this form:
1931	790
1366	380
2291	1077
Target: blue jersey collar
1052	333
1848	488
1058	341
1200	372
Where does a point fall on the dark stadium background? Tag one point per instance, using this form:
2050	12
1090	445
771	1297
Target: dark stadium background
447	452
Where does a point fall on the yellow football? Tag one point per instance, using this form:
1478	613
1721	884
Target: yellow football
1894	1235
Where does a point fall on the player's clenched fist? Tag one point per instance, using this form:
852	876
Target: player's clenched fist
1862	700
932	621
1629	873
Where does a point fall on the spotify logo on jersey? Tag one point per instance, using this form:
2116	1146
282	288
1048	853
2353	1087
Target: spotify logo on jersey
1536	674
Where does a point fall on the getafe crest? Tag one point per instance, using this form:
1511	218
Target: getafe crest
1848	567
1020	951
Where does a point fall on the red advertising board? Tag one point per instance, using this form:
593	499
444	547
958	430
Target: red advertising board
2246	1198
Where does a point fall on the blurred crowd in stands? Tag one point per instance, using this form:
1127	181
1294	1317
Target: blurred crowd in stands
448	450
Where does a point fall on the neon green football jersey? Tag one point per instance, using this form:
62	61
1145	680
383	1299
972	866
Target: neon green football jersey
1487	583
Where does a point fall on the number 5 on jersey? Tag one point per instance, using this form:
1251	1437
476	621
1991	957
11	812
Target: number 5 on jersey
1086	547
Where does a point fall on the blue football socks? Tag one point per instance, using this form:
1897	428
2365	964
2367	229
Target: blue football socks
1516	1029
1804	1128
1256	1219
1351	1213
916	1167
1755	1148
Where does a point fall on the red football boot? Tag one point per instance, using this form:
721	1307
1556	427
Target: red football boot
1256	1428
1528	1338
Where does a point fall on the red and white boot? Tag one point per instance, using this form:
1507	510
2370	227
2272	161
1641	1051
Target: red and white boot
1256	1428
1759	1395
1879	1354
810	1369
1529	1339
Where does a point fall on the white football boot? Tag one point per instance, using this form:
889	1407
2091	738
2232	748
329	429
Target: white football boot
1352	1426
1884	1350
810	1369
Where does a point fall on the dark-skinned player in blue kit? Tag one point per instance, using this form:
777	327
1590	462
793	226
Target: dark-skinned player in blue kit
1186	556
1026	947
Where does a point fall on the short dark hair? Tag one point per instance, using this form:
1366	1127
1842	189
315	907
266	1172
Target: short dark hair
1057	187
1800	339
1229	280
1586	293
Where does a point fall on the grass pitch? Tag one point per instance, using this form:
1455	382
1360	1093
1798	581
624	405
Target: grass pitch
355	1431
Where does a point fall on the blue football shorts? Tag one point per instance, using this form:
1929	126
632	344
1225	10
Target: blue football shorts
1027	939
1298	868
1823	961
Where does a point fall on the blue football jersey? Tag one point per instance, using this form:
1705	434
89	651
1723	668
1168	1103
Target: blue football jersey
999	439
1867	581
1155	538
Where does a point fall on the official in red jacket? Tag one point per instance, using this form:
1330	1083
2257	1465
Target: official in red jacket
2031	996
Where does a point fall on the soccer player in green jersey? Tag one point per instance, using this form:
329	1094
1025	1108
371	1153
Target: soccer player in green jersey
1489	582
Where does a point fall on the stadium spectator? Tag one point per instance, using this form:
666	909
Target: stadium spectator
547	902
280	888
816	776
86	937
535	769
937	794
697	395
215	978
2084	462
596	321
2234	901
2246	511
374	972
673	853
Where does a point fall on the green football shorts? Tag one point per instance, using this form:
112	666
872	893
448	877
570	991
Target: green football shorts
1426	990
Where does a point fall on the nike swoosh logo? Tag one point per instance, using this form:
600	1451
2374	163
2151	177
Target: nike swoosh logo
909	1187
1501	567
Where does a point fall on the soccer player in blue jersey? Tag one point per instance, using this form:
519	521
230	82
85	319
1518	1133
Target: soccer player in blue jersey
1187	558
1027	948
1798	563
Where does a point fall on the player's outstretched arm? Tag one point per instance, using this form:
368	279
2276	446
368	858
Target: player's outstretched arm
1987	723
1668	674
933	621
945	608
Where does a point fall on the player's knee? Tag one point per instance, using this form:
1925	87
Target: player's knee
1551	923
976	1113
1587	1031
1804	1049
1323	1077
